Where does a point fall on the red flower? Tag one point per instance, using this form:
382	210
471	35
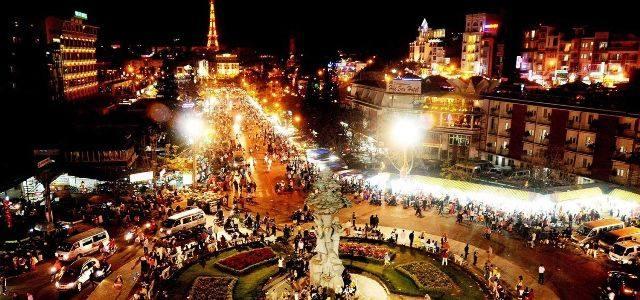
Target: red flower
246	259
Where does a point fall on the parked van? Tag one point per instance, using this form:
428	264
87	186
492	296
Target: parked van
595	229
619	235
187	219
82	244
625	252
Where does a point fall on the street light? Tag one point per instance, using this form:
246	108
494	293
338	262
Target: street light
193	127
405	133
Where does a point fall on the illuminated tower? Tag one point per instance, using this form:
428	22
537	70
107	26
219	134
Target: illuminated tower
212	37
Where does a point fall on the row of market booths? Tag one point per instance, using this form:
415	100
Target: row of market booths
574	199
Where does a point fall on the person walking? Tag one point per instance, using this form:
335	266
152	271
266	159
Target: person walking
353	219
411	236
466	251
445	257
541	274
475	257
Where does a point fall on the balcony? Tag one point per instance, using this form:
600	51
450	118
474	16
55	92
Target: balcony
621	156
593	125
573	124
491	148
545	139
528	137
505	133
571	145
625	130
503	150
588	148
531	115
492	131
583	171
545	119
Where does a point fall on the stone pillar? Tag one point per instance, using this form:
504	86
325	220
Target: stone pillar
326	267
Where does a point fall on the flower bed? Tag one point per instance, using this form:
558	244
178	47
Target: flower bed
244	261
368	251
427	276
212	288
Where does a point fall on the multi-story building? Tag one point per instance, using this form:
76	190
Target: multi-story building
428	49
595	143
76	42
541	56
482	51
551	58
454	118
227	66
34	67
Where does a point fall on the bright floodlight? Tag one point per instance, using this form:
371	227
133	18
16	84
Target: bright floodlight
406	132
193	127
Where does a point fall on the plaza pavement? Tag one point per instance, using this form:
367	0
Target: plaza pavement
509	271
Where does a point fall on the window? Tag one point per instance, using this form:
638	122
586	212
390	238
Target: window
603	45
87	242
186	220
620	172
99	237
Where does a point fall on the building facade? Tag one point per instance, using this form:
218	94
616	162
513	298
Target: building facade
554	58
428	49
594	143
34	66
454	119
75	42
227	66
482	50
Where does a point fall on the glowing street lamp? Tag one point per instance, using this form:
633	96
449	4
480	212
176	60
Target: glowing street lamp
194	128
405	134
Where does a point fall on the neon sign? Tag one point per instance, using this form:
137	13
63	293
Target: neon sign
491	26
80	15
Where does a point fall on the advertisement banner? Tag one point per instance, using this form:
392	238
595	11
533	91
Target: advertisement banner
140	177
400	86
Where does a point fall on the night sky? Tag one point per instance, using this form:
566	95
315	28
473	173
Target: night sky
383	27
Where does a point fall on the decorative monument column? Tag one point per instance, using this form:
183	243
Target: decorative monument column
326	267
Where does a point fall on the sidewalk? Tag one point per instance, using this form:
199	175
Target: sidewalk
130	273
508	270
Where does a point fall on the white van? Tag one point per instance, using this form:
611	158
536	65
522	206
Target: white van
619	235
187	219
82	244
625	252
594	229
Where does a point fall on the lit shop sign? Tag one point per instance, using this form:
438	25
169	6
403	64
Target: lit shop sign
80	15
490	26
139	177
405	86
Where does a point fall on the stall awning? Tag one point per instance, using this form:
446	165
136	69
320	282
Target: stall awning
624	195
588	193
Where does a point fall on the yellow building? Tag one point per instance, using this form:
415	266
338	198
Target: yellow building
227	66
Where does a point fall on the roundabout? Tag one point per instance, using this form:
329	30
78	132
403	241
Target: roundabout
410	273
